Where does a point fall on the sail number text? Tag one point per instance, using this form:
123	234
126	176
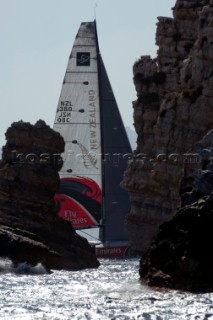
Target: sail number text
64	110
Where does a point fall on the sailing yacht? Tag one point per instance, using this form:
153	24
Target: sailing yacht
97	148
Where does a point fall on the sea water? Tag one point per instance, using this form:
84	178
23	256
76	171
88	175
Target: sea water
112	291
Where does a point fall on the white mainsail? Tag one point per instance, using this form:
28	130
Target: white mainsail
96	143
78	112
78	121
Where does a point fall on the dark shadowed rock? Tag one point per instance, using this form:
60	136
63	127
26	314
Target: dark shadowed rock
182	255
30	229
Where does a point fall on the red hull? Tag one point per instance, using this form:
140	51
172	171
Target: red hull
122	251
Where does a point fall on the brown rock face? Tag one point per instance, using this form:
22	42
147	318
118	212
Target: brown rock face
182	256
172	112
30	229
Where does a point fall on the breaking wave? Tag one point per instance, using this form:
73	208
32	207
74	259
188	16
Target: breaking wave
6	266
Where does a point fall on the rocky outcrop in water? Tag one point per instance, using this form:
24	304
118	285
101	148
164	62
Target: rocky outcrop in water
173	111
182	255
30	229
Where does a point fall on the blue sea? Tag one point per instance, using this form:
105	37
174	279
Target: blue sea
112	291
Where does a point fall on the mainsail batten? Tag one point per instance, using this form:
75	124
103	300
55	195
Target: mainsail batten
96	144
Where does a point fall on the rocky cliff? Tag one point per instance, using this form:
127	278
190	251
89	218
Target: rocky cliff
173	111
30	229
181	257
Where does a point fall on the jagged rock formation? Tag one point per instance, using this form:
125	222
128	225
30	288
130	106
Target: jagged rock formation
182	255
172	112
201	183
30	229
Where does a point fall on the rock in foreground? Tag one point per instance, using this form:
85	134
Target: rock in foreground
182	255
30	229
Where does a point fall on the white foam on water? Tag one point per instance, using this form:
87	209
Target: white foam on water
111	292
26	268
6	266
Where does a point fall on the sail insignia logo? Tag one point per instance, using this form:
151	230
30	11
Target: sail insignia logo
89	160
83	59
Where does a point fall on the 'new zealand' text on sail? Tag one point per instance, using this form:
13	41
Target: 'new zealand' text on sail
96	144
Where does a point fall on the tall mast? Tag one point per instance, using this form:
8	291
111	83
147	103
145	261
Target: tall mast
102	226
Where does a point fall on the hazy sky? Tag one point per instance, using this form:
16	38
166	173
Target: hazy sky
36	38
